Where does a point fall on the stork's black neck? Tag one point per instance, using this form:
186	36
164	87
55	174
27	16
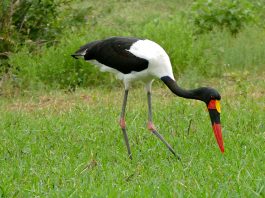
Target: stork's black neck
197	94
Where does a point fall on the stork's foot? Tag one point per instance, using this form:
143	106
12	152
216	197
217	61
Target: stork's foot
152	128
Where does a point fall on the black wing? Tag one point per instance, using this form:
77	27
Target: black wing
113	52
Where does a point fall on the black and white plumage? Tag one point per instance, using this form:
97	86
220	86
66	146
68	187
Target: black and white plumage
129	58
133	59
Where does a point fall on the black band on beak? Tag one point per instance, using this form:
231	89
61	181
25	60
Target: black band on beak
215	116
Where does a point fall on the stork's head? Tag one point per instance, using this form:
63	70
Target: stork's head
212	98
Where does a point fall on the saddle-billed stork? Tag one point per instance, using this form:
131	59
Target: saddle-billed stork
133	59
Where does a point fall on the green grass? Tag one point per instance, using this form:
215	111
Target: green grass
60	144
55	144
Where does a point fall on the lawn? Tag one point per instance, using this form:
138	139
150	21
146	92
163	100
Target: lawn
70	144
59	131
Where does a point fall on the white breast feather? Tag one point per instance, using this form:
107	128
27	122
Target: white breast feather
159	62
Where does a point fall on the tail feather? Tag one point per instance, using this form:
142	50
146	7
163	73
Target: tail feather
87	48
75	56
79	53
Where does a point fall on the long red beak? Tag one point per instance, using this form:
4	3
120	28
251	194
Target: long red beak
214	111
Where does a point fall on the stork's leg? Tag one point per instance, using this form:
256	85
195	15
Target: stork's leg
122	123
151	126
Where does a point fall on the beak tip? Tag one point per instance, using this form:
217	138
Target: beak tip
214	111
218	135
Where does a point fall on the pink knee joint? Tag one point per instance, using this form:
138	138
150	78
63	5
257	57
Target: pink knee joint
122	123
150	126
